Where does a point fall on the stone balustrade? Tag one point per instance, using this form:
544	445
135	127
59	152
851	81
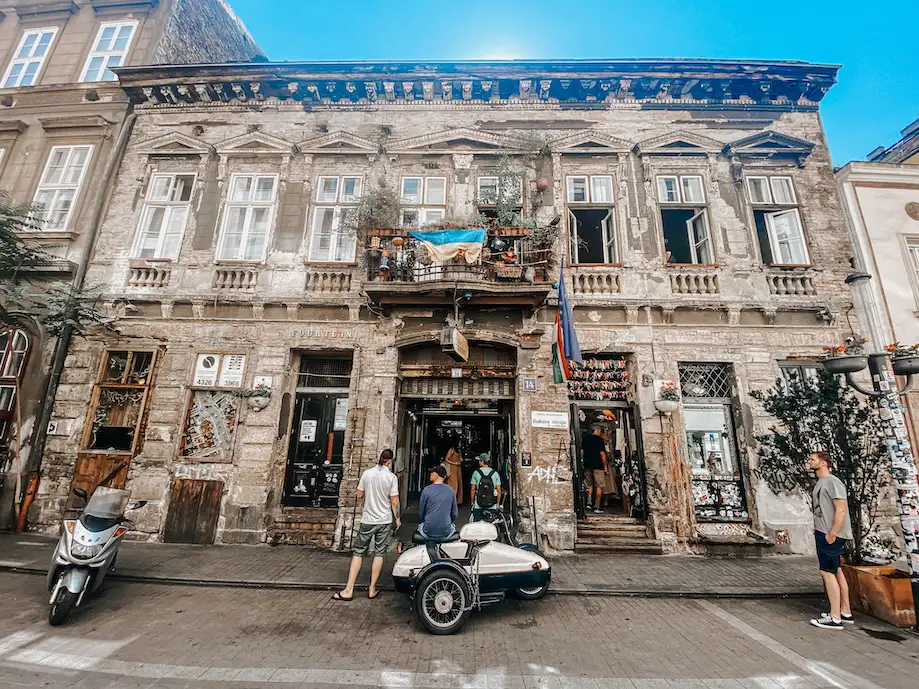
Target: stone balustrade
694	283
782	284
235	278
331	280
594	282
149	276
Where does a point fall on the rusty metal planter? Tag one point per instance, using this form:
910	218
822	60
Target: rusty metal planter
883	592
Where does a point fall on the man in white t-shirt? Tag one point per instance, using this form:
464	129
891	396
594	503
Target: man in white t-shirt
379	489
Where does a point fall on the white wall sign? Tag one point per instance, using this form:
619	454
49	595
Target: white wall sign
308	430
206	370
557	420
231	372
341	414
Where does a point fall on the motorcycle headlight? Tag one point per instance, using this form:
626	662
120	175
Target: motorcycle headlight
85	551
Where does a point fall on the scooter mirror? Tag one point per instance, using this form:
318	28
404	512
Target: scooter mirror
80	493
137	505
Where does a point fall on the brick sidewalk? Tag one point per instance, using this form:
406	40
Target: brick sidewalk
306	568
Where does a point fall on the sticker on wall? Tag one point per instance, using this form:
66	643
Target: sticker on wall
308	430
341	414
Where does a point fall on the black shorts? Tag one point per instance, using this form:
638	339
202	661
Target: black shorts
829	554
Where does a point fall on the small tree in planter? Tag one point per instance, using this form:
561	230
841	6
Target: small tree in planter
822	414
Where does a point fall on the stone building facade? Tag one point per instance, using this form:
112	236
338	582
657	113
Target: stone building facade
692	205
61	116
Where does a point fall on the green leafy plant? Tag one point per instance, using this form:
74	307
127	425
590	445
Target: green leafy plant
378	207
669	392
820	413
897	350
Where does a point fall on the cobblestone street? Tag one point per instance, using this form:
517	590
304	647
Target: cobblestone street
143	635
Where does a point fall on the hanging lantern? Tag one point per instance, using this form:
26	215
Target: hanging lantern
398	242
542	184
384	265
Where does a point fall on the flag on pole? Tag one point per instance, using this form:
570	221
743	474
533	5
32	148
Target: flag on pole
566	347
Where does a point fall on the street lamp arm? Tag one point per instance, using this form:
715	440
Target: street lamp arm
878	393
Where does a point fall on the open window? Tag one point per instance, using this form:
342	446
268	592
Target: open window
591	219
684	220
778	220
118	402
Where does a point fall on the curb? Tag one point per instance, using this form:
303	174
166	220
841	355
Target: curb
699	594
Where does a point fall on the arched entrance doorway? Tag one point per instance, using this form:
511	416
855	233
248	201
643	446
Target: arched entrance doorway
443	402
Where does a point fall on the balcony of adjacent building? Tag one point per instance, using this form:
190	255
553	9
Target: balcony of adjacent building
511	267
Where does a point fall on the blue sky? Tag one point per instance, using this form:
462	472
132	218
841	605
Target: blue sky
877	94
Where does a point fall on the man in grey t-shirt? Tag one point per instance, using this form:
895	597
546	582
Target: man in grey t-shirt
832	528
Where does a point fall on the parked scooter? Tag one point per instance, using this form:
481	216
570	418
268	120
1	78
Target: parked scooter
87	549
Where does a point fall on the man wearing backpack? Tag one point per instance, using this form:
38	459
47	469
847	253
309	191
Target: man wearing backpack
485	487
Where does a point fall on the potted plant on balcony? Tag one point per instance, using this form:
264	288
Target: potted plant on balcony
668	397
823	413
905	359
848	357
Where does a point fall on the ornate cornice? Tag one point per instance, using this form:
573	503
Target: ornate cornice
678	84
769	146
44	10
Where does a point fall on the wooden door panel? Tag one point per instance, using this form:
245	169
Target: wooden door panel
193	511
91	469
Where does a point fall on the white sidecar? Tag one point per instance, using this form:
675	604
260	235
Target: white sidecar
447	580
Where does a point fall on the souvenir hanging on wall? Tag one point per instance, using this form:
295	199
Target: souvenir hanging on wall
600	379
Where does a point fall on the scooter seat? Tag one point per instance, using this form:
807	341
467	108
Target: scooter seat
418	539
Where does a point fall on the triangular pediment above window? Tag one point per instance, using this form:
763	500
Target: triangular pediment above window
590	142
456	141
340	142
255	143
175	144
680	143
770	145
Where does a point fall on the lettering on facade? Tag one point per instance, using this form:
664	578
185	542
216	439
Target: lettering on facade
324	333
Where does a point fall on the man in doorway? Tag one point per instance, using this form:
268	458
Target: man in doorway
379	489
593	453
438	508
485	487
832	528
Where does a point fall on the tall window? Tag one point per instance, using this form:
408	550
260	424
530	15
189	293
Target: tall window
331	237
118	401
26	65
14	349
213	408
164	216
109	50
247	219
60	185
778	221
684	220
423	201
591	219
494	192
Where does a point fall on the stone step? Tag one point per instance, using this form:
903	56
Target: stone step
614	540
635	530
609	519
647	547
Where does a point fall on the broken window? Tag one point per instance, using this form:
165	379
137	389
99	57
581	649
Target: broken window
778	220
684	219
118	401
423	201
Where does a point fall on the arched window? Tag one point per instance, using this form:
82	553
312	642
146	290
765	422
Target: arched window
14	349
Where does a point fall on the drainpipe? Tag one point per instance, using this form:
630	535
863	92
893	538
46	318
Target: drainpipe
63	343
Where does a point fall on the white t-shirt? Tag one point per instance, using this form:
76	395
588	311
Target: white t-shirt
379	485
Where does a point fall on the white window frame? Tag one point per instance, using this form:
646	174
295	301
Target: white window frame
706	240
106	55
610	239
775	243
497	179
340	196
911	248
58	188
26	61
336	236
589	189
770	187
428	212
680	181
426	216
170	207
250	205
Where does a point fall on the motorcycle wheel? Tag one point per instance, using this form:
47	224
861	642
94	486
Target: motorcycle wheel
442	602
532	592
62	606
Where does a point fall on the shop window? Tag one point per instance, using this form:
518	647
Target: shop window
315	461
494	192
711	443
248	217
423	201
118	401
14	350
684	220
332	237
25	67
109	50
60	186
213	407
778	220
164	217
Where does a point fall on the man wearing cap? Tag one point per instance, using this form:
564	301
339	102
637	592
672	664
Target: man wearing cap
438	507
485	487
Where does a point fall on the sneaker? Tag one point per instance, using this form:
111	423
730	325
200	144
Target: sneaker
598	510
847	618
827	622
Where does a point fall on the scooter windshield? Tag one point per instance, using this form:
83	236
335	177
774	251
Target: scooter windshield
107	503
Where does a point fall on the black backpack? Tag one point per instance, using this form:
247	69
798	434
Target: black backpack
485	492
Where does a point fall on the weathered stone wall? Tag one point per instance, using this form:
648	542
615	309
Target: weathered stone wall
296	306
204	31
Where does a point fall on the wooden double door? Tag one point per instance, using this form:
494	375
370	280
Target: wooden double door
194	508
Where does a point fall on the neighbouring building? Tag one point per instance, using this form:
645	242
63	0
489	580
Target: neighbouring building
61	114
881	200
272	343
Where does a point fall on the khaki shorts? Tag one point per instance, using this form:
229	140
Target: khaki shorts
373	538
596	478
